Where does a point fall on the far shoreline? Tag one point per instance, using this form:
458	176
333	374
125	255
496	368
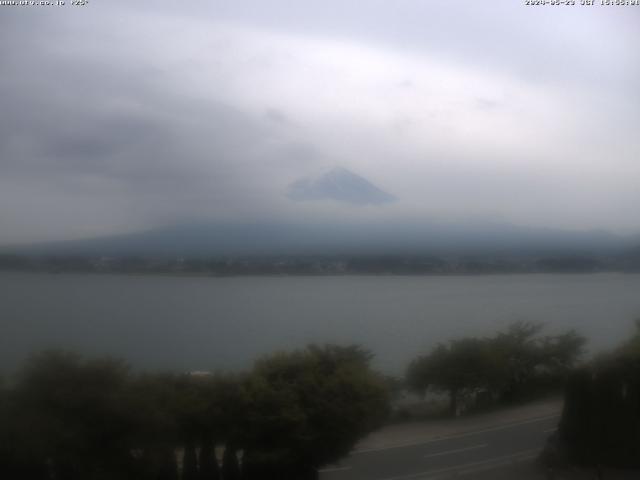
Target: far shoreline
311	275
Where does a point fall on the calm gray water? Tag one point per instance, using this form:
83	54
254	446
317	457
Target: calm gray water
225	323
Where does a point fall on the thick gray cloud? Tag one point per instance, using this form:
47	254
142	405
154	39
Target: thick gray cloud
120	116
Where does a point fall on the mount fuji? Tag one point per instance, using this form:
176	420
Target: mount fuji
340	185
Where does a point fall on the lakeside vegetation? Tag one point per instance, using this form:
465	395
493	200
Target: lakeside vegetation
600	424
66	417
508	367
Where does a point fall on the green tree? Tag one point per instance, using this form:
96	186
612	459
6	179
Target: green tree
600	423
189	412
207	461
506	365
520	354
75	414
230	465
631	348
560	353
460	368
157	431
526	356
190	462
308	408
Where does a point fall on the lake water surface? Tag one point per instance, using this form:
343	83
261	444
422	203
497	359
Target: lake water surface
197	323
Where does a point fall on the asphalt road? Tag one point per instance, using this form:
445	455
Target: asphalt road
472	455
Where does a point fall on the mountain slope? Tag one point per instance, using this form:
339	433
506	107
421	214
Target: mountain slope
223	239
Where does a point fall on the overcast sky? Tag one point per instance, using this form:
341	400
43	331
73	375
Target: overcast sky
117	117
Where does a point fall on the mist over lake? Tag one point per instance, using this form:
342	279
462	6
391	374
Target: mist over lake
209	323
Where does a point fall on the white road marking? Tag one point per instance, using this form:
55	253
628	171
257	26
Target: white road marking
471	467
486	465
333	469
454	436
457	450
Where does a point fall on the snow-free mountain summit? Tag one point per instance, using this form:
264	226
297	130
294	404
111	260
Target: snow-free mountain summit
340	185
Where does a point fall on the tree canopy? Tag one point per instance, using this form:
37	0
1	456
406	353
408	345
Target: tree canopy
600	423
309	407
68	417
503	366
